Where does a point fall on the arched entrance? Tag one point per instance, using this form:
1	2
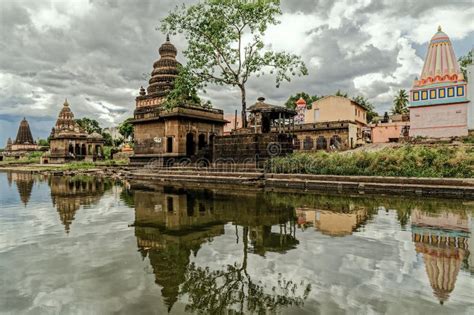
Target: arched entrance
83	150
336	142
71	149
190	145
308	143
322	143
201	141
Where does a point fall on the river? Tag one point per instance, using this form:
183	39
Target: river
86	245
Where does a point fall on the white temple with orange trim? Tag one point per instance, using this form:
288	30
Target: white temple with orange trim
439	106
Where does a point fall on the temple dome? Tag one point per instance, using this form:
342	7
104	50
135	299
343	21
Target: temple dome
24	135
440	63
65	122
165	70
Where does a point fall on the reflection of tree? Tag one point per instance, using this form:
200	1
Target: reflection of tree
213	292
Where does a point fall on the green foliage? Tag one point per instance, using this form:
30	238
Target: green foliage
291	102
126	128
185	91
340	93
364	102
43	142
217	52
464	61
407	161
89	125
400	103
108	141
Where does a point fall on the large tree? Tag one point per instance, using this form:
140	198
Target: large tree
90	125
126	128
225	43
400	103
291	102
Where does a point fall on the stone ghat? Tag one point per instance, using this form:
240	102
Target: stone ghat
433	187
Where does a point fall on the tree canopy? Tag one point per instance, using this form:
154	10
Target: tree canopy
225	43
400	103
185	91
126	128
291	102
89	125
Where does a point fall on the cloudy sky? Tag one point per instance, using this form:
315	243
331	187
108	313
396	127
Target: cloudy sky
97	53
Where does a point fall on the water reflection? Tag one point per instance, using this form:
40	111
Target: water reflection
171	225
24	183
442	240
68	194
213	251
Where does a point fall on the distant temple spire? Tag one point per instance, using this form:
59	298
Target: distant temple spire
24	135
439	28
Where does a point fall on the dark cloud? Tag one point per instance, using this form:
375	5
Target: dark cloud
98	53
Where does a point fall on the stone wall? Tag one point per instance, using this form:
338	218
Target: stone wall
325	136
246	148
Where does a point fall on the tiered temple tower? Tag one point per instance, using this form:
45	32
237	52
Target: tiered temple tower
164	134
68	141
24	141
438	99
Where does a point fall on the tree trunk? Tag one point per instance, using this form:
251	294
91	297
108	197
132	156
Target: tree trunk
244	106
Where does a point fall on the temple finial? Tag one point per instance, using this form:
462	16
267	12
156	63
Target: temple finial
167	37
66	103
439	28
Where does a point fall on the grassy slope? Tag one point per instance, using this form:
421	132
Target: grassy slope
407	161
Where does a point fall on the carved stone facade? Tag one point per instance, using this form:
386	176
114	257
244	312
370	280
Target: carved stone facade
170	135
70	142
23	143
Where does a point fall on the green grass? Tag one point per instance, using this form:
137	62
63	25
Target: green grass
406	161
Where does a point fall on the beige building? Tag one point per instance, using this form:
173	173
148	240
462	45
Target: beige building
332	223
337	108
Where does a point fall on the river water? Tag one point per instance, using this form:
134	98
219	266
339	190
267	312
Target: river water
82	245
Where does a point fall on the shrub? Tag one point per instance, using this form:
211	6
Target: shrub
407	161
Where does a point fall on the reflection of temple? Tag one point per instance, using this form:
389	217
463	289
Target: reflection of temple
333	223
442	239
69	194
171	224
24	183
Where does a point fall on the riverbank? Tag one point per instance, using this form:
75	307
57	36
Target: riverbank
462	188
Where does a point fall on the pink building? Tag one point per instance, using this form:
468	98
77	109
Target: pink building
438	100
390	131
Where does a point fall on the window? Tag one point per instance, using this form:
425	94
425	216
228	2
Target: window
424	95
432	94
441	93
460	91
450	92
169	145
416	96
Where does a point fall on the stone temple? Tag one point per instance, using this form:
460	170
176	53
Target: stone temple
170	135
23	143
70	142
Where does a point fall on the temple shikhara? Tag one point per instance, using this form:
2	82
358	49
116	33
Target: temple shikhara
185	131
23	143
70	142
439	106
